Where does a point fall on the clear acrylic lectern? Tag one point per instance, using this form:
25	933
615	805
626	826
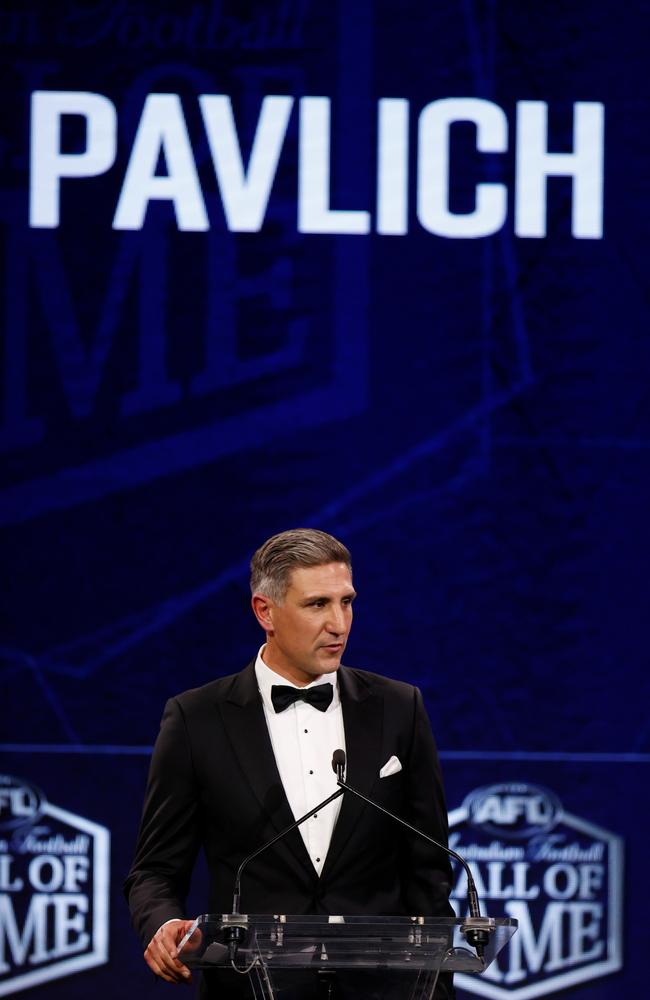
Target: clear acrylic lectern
383	958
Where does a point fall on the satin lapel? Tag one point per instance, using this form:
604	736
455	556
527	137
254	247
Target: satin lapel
243	718
362	719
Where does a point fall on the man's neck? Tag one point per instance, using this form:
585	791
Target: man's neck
298	678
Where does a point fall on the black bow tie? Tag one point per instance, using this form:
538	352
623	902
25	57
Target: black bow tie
320	696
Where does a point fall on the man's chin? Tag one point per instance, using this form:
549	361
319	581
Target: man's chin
328	662
331	667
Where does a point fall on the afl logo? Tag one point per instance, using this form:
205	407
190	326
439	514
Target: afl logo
20	803
516	811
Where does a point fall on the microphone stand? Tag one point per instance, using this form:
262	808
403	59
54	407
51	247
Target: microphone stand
234	925
476	929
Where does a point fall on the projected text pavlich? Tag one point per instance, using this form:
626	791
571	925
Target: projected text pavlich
246	188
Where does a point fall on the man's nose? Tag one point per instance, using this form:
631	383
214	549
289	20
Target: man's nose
336	621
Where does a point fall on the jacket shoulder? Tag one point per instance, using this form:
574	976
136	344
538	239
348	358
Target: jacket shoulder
379	684
221	689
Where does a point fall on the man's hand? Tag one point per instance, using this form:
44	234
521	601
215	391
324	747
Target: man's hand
160	953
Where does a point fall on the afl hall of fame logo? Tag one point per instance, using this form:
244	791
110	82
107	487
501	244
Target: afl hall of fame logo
54	883
558	875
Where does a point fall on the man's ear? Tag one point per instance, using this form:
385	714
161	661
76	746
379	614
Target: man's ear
262	609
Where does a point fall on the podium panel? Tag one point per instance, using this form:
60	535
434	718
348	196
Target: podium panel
381	958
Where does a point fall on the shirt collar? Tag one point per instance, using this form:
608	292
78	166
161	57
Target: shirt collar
266	678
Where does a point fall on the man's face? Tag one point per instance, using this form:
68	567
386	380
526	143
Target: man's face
307	633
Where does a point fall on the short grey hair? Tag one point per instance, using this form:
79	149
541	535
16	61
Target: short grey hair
273	563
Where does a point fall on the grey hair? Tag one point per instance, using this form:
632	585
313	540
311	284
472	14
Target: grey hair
272	564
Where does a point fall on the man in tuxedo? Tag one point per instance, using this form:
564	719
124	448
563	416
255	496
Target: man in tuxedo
238	759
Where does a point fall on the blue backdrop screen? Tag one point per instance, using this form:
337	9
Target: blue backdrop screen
371	267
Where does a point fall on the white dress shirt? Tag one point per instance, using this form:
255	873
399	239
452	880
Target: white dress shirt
303	740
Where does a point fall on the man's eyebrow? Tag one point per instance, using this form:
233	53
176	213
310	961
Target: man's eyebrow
309	598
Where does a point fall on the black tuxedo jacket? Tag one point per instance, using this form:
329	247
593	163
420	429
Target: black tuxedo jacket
214	783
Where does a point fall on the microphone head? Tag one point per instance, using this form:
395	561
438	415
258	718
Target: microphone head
338	761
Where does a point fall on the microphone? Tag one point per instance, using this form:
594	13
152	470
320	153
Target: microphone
235	924
476	928
338	764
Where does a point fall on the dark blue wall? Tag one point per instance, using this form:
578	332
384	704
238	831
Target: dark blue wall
471	416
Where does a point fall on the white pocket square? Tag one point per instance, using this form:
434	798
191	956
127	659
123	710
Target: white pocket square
391	766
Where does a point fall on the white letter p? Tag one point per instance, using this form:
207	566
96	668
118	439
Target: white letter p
48	164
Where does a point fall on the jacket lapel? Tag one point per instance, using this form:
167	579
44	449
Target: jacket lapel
362	720
243	718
